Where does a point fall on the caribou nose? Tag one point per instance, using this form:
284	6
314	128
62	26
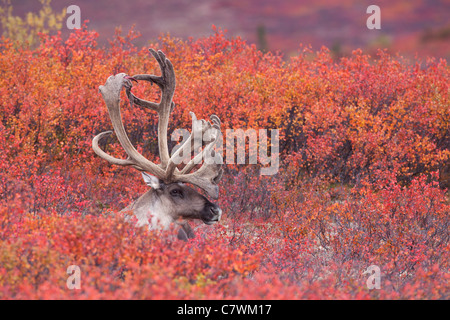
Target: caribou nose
216	213
211	214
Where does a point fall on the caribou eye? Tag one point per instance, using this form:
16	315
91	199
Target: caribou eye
176	193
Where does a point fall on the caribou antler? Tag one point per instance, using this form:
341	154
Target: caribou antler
207	176
166	83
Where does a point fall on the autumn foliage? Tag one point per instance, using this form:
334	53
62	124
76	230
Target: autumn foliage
364	144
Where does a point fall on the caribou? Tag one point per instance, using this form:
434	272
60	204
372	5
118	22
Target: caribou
170	200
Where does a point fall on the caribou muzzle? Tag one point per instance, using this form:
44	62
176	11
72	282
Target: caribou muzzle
211	214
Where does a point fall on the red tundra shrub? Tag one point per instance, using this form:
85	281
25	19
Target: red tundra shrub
116	259
353	118
340	233
361	140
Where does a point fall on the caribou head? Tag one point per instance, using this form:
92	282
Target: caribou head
170	199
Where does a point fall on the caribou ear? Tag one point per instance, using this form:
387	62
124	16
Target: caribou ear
185	232
151	181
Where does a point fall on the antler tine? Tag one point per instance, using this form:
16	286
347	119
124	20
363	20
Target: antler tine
205	178
104	155
166	82
198	129
111	95
212	137
209	173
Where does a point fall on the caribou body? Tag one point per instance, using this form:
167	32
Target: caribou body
170	200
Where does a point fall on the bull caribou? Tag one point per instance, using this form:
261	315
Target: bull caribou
170	199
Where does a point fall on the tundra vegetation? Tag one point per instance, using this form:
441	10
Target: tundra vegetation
364	167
